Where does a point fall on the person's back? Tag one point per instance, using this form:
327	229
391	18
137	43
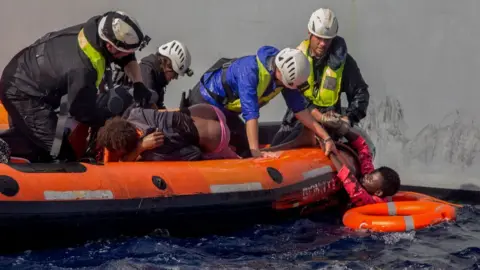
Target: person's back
242	77
42	69
241	68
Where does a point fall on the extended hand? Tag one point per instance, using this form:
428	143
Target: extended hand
184	103
330	147
141	94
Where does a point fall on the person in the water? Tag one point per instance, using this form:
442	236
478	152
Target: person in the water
375	185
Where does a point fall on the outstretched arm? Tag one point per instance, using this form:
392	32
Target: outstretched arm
307	120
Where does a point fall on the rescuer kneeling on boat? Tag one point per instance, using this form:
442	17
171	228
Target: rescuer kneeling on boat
62	70
244	85
376	184
171	60
333	71
194	133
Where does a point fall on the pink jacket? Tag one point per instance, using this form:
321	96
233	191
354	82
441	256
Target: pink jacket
358	195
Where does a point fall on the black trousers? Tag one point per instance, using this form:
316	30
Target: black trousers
32	126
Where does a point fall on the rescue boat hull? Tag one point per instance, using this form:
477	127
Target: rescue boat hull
45	205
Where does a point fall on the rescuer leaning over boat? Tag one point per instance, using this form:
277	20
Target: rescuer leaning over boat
171	61
63	70
333	71
243	85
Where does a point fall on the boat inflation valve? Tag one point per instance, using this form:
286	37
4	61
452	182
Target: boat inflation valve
159	182
8	186
276	176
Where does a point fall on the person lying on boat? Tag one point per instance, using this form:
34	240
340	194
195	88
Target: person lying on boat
194	133
375	184
243	85
63	70
171	60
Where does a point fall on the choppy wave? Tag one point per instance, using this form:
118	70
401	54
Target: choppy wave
304	244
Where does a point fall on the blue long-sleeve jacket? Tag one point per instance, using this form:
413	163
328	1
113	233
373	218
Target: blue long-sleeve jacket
242	77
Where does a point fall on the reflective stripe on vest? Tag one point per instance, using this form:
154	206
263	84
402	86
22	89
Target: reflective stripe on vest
97	60
329	86
98	63
264	80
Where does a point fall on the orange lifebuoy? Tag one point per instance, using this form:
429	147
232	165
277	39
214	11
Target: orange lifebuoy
398	216
402	196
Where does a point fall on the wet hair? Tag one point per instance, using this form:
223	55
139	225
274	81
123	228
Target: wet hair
391	181
117	135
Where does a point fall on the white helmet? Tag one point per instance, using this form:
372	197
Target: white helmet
122	32
323	23
294	67
178	53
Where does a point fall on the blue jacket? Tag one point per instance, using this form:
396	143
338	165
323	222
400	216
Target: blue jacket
242	76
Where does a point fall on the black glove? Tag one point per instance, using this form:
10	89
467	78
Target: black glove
184	100
141	94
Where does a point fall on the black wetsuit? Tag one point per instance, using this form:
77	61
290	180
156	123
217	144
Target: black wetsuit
35	80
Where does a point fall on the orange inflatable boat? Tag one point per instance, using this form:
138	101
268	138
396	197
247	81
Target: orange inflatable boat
44	204
72	200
